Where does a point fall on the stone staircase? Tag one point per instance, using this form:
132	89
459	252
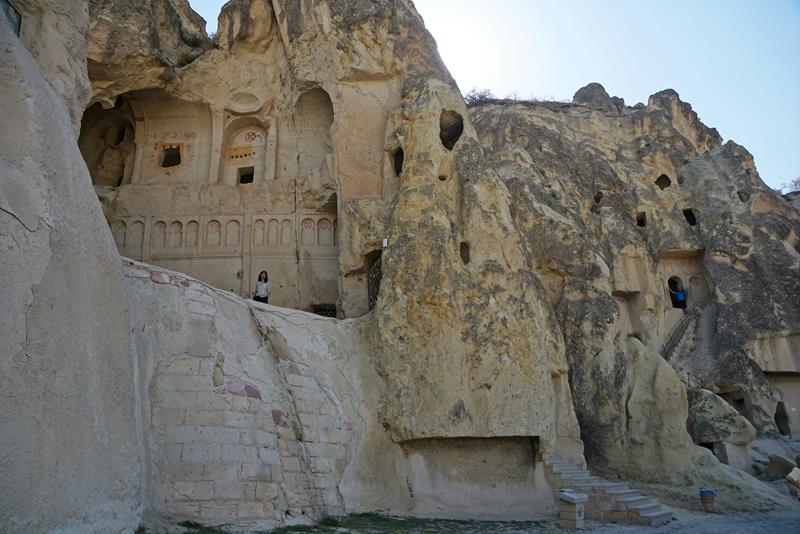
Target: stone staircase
609	501
677	332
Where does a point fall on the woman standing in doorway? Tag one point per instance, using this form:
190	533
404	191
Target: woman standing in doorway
262	288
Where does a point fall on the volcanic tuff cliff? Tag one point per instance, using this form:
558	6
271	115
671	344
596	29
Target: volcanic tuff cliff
524	309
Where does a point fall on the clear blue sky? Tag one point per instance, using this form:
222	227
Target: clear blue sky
736	61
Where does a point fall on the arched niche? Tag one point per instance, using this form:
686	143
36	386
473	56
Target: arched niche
244	152
306	142
107	143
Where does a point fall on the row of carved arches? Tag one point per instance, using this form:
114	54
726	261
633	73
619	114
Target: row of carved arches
320	233
272	232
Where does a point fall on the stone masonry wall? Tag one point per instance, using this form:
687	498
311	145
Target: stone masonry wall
236	434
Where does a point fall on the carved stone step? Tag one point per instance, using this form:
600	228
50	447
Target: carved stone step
656	518
642	507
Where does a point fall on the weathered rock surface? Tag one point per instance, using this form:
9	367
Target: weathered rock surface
69	446
615	202
711	419
527	253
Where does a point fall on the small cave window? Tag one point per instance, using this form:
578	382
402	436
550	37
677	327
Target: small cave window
688	214
736	399
13	16
170	156
598	197
782	419
442	178
325	310
451	126
718	449
246	175
463	249
663	182
397	161
641	219
677	293
744	197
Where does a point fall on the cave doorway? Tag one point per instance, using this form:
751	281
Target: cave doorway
782	419
677	293
107	143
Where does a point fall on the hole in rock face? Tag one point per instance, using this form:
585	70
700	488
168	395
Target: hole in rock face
451	126
325	310
397	161
688	214
246	175
663	182
782	419
442	177
677	293
598	197
641	219
170	156
464	251
744	197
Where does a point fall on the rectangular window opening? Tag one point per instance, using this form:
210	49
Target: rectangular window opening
246	175
641	219
688	214
325	310
170	156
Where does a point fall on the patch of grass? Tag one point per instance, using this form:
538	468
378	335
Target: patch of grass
197	528
386	524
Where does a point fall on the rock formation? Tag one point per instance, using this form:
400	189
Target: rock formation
644	198
505	278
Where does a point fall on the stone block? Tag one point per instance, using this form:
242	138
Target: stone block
186	471
255	472
320	465
290	464
258	438
239	420
267	491
202	452
211	401
176	399
269	456
195	491
573	515
301	381
173	451
224	471
217	512
250	510
171	416
574	510
234	490
217	434
308	406
183	366
201	308
183	508
199	417
568	523
191	383
615	516
199	295
239	453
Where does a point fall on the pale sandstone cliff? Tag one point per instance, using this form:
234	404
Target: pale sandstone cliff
69	446
585	172
522	312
